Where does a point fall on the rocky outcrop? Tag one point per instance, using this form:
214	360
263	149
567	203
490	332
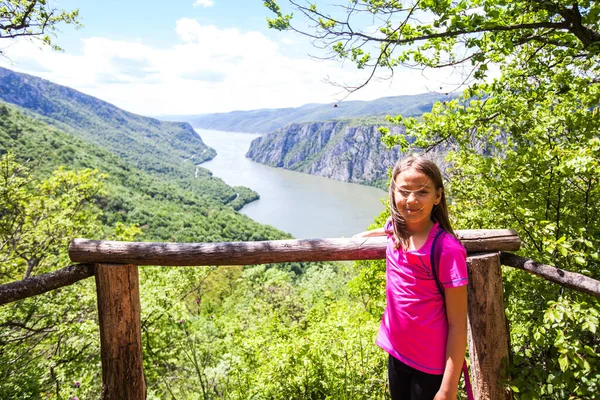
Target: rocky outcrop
333	149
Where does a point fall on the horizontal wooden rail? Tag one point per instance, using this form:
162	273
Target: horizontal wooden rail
572	280
274	251
35	285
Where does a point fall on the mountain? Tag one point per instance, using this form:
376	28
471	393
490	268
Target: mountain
347	150
269	120
149	144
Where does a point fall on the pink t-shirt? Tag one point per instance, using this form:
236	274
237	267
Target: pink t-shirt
414	327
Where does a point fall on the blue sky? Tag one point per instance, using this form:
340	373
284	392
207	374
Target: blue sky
166	58
153	21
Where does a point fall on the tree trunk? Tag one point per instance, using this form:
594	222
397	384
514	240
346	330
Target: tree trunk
120	332
488	329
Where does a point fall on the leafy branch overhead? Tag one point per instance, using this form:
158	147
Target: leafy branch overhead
437	33
33	18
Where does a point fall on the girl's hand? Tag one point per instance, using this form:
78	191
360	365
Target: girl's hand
444	395
361	235
372	233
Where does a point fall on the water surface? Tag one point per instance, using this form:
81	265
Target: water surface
304	205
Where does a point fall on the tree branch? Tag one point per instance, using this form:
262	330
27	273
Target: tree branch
446	34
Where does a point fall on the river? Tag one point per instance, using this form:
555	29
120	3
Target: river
304	205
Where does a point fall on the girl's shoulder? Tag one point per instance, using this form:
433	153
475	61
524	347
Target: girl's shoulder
450	244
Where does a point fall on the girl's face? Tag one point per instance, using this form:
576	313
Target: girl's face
415	196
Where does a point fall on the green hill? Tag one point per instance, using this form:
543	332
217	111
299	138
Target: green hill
166	209
149	144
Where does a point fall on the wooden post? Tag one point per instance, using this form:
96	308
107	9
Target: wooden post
488	330
118	293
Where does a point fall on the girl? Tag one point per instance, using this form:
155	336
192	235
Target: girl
424	332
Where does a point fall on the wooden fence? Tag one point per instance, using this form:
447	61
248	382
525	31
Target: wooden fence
115	267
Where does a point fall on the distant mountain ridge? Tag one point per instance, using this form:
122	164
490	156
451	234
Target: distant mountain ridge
269	120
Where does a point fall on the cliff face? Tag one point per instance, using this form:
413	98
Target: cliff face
334	149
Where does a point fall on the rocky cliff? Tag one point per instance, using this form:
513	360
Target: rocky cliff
335	149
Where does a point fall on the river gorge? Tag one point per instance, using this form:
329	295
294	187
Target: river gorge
303	205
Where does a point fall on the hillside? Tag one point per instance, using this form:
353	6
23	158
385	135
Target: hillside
149	144
152	177
166	209
269	120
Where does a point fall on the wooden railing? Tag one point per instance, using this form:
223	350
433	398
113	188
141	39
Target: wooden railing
115	266
117	286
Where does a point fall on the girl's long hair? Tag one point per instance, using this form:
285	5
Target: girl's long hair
439	213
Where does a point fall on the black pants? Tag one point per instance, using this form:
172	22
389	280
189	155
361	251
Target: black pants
407	383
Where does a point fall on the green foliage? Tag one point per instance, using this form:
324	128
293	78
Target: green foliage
49	343
281	22
40	218
33	18
443	33
269	337
569	333
369	284
51	339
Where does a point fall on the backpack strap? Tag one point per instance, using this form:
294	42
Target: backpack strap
436	254
468	388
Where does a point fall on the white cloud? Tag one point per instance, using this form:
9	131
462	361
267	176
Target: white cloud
210	69
204	3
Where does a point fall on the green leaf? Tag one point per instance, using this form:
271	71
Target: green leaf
563	361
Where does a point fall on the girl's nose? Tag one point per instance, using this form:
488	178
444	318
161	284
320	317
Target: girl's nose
412	198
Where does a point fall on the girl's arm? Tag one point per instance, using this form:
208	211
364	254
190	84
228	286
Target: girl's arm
371	233
456	311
